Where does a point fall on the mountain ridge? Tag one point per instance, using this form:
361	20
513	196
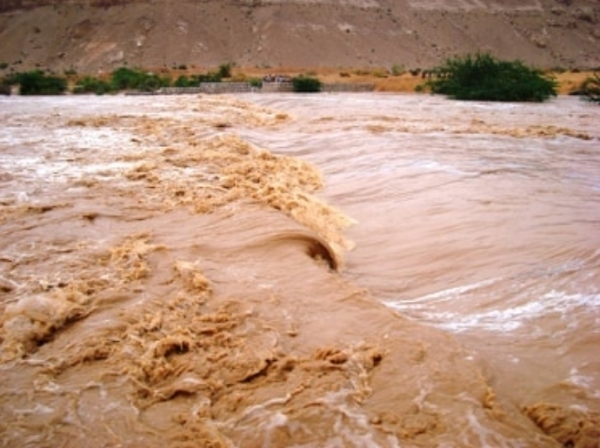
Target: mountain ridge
99	35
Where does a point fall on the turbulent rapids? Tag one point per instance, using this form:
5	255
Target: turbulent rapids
279	270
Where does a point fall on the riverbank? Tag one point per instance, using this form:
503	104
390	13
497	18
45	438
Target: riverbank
385	81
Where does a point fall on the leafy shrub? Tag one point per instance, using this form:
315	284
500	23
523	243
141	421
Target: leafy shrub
89	84
255	82
4	89
126	78
225	70
208	77
183	81
397	70
483	77
591	88
3	65
306	84
37	83
150	83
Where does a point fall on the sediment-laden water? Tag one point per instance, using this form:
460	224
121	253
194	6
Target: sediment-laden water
283	270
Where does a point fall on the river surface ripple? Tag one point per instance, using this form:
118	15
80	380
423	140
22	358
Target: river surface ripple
156	290
482	219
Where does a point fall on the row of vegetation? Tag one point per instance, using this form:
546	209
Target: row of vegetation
37	82
473	77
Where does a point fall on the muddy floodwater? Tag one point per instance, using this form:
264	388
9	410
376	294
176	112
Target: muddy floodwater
332	270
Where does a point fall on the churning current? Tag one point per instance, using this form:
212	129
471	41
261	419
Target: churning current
295	270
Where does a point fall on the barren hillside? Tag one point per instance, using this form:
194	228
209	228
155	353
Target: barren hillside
92	35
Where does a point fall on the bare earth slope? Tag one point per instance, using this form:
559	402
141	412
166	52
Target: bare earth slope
91	35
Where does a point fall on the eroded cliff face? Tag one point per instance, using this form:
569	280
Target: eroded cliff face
97	35
15	5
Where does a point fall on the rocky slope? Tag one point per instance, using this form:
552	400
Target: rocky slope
94	35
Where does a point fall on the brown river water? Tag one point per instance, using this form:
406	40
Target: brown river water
336	270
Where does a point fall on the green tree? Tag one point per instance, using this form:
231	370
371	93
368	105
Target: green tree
182	81
225	70
37	83
483	77
126	78
89	84
306	84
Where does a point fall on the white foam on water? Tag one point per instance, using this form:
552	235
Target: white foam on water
506	320
446	294
584	382
487	437
553	303
64	155
36	410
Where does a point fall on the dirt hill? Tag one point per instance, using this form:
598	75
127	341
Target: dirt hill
95	35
